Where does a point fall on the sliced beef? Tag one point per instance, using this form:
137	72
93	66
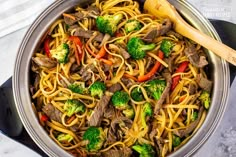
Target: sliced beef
204	83
185	132
166	92
175	34
124	152
85	74
194	57
74	68
192	89
52	112
105	67
155	32
110	112
114	88
45	62
124	53
80	32
115	132
91	11
127	82
96	118
170	62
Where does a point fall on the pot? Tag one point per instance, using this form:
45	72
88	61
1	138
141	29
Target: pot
219	73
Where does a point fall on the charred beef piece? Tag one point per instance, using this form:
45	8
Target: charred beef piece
194	57
45	62
52	112
114	88
155	32
166	92
85	74
88	34
96	118
184	132
204	83
175	34
115	132
124	152
170	62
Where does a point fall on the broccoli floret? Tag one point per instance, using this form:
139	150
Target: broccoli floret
137	94
73	106
166	47
194	116
129	112
77	88
97	89
120	100
132	25
64	138
156	88
146	111
176	141
61	53
108	23
205	99
95	137
136	48
144	150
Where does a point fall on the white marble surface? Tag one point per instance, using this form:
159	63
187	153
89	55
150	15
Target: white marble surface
217	9
10	148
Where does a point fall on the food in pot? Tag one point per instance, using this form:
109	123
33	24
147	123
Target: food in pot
111	80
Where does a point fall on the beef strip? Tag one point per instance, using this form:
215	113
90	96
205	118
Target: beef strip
91	11
96	118
114	88
192	89
170	62
166	92
85	74
194	57
88	34
74	68
105	67
115	132
184	132
127	82
155	32
175	34
124	152
204	83
52	112
124	53
110	112
45	62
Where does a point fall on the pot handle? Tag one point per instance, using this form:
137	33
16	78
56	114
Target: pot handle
226	30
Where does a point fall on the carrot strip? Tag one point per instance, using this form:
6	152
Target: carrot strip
69	16
101	53
89	50
131	77
108	62
70	119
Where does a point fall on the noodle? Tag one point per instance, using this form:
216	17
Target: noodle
60	82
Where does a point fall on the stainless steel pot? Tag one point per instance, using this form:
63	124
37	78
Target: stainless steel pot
219	71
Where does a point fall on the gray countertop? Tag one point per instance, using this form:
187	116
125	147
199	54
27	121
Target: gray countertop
221	144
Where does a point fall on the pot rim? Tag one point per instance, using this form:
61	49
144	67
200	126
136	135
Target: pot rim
31	40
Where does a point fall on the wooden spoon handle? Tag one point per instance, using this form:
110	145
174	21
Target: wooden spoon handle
211	44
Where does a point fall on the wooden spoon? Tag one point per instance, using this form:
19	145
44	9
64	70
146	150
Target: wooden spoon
162	8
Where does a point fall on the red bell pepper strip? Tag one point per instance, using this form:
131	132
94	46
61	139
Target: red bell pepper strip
78	48
153	70
175	80
44	118
46	46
